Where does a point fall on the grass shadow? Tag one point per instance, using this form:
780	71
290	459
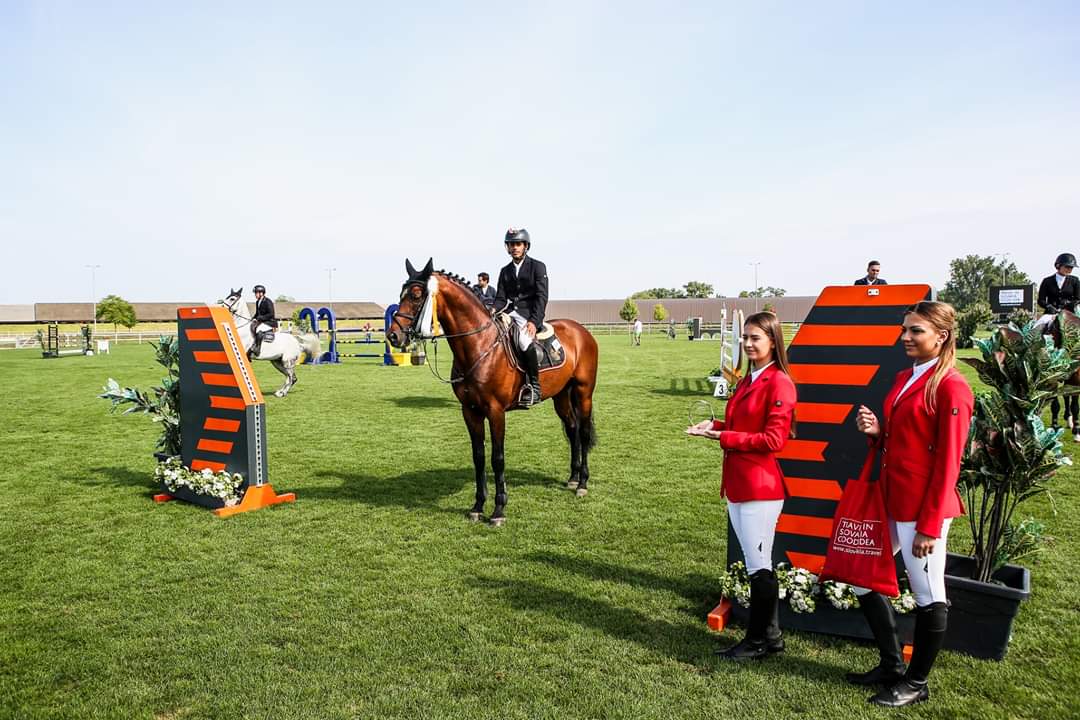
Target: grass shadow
699	590
414	489
421	401
685	387
116	477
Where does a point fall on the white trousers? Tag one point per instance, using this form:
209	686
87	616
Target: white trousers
926	575
754	523
524	341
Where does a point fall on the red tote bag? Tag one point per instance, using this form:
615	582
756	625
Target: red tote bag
860	550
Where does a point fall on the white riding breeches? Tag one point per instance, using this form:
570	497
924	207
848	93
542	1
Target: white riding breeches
754	523
926	575
524	341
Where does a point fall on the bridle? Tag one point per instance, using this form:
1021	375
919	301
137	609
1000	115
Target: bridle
232	307
414	333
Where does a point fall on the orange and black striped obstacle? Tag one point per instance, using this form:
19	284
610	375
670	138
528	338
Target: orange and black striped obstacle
845	354
222	413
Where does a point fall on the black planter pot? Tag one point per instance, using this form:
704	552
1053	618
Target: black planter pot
980	614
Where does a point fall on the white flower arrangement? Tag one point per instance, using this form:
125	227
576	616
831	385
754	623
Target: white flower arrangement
904	602
800	587
735	584
173	475
840	595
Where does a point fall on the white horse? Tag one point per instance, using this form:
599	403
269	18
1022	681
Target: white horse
283	351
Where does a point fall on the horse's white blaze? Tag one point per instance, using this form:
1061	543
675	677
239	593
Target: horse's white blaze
427	312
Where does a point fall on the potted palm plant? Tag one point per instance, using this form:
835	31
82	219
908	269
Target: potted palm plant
1011	458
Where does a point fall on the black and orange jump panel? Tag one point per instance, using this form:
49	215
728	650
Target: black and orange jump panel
845	354
222	413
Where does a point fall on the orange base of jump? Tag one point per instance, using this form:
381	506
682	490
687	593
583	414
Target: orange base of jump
163	497
257	496
907	653
718	618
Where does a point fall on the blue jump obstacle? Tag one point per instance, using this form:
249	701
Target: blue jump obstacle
364	337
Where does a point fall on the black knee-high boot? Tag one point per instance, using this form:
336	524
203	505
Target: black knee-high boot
1055	406
761	637
879	616
930	624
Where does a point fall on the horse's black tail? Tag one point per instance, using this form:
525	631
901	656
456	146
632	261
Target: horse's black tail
588	433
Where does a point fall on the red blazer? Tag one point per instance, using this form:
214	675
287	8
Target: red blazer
921	452
756	426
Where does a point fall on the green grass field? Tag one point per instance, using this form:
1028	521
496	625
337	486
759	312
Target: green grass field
373	597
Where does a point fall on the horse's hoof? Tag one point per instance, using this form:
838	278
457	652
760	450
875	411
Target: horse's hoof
571	484
475	517
497	522
582	492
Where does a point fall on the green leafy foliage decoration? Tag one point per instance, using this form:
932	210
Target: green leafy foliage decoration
161	402
1012	454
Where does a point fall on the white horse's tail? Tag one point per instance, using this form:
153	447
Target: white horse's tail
310	344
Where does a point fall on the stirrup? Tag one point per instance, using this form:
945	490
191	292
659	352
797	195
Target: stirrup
528	396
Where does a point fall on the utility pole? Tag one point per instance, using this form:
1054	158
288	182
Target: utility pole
755	264
330	285
93	292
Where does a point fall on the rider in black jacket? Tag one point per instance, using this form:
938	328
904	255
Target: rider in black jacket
264	315
1060	291
523	293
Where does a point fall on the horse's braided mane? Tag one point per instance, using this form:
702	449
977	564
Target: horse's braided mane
456	278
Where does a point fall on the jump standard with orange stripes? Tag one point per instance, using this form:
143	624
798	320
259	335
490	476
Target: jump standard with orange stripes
845	354
222	413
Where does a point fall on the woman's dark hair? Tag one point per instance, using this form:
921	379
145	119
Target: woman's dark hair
770	325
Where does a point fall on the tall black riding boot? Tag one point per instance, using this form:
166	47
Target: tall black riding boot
764	599
531	393
930	624
879	616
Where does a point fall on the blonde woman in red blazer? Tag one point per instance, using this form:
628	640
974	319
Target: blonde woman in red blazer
757	425
921	439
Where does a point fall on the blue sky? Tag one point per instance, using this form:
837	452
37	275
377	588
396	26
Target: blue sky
187	147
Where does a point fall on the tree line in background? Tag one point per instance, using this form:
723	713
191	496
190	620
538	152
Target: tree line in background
967	290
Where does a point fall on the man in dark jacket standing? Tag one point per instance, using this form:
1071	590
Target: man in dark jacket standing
264	315
523	294
873	275
483	290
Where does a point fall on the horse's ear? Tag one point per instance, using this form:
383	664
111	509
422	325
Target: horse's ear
410	269
429	268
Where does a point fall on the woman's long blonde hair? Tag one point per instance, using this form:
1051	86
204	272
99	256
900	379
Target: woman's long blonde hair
943	318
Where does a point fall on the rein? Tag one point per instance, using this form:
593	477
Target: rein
434	364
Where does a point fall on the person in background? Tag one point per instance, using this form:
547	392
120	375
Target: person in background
637	331
1058	292
921	439
483	290
263	321
758	422
873	275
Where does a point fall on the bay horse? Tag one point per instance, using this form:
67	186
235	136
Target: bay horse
485	379
283	351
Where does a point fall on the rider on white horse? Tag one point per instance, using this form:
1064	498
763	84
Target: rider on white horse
263	322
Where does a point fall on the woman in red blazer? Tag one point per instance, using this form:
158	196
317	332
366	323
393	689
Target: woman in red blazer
921	438
757	425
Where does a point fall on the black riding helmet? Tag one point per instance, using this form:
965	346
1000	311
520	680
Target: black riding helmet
1066	259
521	235
259	288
